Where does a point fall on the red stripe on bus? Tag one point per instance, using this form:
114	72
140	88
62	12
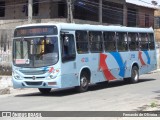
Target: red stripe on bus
103	66
140	58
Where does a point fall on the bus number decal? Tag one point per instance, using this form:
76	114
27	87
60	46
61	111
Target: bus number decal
133	56
84	60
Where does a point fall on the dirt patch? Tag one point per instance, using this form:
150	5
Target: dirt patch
152	106
4	91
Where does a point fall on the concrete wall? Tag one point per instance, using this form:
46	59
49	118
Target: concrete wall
157	34
14	10
157	30
44	11
5	51
157	13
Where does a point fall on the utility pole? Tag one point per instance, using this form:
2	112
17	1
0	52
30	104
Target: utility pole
30	10
124	14
100	11
69	11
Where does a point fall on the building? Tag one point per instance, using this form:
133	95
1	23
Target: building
157	25
122	12
134	13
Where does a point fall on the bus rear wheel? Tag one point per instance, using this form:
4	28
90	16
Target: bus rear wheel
44	90
134	75
84	81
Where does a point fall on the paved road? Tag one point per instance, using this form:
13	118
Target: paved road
117	96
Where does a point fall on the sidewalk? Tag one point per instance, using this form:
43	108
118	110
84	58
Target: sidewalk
5	85
158	70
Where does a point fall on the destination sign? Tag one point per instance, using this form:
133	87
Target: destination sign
36	31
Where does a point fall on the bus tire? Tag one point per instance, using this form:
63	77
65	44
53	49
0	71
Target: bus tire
134	75
44	90
84	82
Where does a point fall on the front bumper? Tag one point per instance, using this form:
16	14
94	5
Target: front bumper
30	83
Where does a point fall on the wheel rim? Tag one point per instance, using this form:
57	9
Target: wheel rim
84	82
135	75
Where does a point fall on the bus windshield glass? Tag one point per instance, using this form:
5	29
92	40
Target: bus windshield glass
35	52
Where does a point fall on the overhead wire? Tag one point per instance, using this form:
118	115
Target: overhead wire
106	15
141	16
94	4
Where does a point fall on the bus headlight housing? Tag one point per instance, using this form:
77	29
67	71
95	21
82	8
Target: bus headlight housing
16	75
54	74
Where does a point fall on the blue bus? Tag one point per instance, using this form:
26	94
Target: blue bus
64	55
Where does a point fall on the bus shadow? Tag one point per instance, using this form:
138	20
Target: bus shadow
72	91
113	84
146	80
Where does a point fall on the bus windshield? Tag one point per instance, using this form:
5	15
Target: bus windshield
35	52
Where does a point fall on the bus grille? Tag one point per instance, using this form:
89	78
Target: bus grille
35	77
37	72
33	83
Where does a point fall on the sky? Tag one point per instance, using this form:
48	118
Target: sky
146	3
149	1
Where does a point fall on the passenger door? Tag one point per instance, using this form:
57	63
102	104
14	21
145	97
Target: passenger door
68	53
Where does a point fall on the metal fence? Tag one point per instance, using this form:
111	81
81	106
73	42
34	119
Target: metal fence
5	51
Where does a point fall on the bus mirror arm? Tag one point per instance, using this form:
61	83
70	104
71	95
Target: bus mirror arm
31	49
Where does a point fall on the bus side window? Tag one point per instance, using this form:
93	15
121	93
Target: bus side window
122	41
95	40
68	47
133	41
82	42
143	39
109	41
151	41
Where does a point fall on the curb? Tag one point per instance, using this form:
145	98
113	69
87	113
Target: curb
155	71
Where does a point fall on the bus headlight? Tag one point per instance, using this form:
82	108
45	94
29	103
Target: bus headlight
16	75
54	74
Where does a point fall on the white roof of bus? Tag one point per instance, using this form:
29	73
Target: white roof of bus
72	26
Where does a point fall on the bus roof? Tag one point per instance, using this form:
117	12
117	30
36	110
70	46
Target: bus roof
73	26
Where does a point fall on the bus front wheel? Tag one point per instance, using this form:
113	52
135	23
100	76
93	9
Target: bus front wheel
44	90
84	81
